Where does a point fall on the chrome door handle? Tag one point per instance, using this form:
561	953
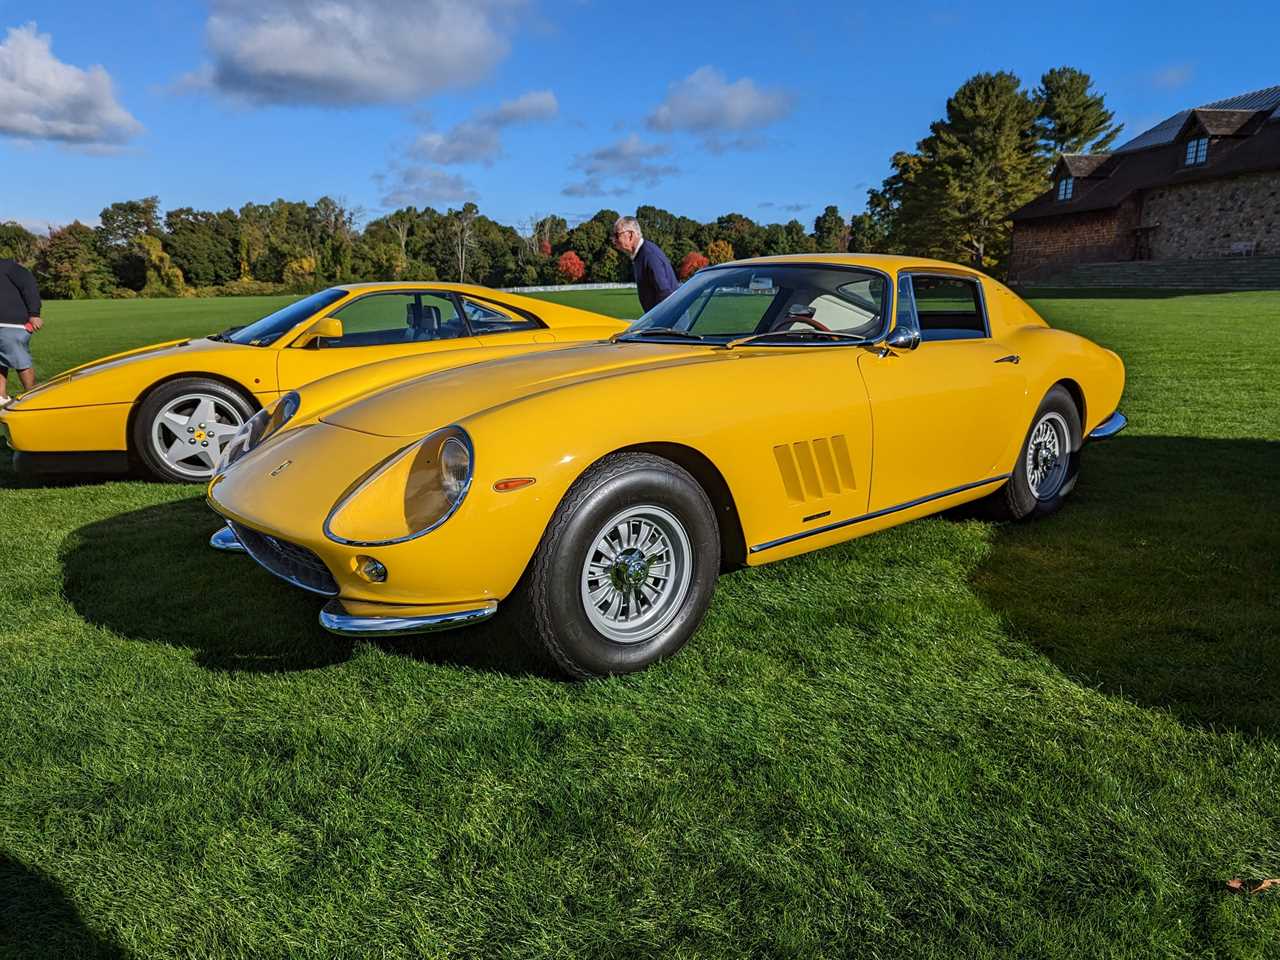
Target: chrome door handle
1011	358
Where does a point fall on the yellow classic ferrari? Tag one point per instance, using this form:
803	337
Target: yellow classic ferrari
767	408
173	407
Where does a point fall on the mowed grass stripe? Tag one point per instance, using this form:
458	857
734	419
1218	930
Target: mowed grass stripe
949	739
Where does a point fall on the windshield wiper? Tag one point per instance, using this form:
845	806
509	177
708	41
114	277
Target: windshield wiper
659	332
793	335
222	337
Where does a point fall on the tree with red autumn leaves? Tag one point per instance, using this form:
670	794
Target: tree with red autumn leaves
693	262
570	266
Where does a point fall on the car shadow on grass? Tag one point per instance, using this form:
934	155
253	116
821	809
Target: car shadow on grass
1159	580
151	575
38	920
10	479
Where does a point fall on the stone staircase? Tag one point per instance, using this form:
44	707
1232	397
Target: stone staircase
1223	273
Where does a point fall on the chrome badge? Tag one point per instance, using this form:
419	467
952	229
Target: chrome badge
282	468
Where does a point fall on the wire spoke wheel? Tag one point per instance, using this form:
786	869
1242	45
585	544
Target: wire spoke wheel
189	432
636	574
1048	455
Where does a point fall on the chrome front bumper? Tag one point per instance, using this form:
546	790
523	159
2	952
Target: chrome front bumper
358	619
336	618
225	539
1110	426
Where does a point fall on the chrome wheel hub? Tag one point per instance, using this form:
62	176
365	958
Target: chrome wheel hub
190	432
1048	456
636	574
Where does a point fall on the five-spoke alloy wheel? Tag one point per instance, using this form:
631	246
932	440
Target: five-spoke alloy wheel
182	426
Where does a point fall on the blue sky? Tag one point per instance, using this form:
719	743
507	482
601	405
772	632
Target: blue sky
531	107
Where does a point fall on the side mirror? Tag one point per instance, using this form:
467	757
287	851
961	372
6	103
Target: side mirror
903	338
330	328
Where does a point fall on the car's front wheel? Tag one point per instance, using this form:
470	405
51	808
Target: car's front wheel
626	568
182	426
1048	462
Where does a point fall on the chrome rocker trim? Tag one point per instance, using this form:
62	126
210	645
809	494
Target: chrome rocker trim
335	619
878	513
1110	426
226	540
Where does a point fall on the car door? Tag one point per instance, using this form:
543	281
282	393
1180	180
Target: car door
943	413
381	325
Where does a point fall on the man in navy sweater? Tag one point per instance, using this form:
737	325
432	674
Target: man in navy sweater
655	280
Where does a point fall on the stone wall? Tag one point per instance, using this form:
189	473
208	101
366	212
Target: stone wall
1049	245
1204	219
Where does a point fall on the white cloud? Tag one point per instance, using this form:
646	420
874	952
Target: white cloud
42	98
706	103
614	169
1173	77
420	185
352	52
478	140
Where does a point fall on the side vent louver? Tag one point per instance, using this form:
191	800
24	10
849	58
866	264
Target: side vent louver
813	469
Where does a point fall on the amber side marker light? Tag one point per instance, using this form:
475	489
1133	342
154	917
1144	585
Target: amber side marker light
512	483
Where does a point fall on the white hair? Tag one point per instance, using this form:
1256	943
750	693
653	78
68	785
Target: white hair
628	223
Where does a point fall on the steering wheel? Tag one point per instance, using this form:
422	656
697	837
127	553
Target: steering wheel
783	322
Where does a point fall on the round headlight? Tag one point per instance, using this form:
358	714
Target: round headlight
283	412
409	494
455	469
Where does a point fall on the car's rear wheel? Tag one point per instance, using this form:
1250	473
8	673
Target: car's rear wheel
1048	462
182	426
626	568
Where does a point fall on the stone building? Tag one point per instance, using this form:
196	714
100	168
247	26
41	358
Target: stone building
1203	184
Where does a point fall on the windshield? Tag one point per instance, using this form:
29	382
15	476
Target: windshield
725	303
270	328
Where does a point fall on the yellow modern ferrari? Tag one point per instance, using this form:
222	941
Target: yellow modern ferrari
172	408
768	408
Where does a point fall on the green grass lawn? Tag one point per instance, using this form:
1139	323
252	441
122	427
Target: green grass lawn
952	739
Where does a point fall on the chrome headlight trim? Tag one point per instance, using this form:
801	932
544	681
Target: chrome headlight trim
441	436
258	428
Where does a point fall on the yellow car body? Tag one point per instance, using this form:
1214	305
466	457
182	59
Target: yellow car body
86	419
797	445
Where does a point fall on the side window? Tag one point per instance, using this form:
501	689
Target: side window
949	308
484	318
387	318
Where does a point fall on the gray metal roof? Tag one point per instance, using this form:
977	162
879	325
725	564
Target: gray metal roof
1165	131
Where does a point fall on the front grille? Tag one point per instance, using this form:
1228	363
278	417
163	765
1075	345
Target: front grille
288	561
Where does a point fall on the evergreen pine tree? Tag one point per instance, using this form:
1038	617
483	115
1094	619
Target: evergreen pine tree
1073	119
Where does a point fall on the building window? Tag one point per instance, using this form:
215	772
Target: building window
1066	187
1197	151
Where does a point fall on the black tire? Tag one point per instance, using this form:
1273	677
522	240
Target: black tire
230	404
550	603
1021	498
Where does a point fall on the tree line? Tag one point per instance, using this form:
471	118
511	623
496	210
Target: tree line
135	251
949	198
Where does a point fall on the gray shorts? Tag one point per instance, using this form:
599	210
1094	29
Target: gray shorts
15	352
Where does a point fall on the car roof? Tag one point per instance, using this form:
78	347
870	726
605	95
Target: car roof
549	312
888	262
414	284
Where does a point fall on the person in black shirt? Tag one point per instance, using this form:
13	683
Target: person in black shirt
19	318
655	280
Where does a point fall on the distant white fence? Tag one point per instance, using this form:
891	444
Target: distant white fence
562	287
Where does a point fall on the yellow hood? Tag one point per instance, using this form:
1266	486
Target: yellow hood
417	407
